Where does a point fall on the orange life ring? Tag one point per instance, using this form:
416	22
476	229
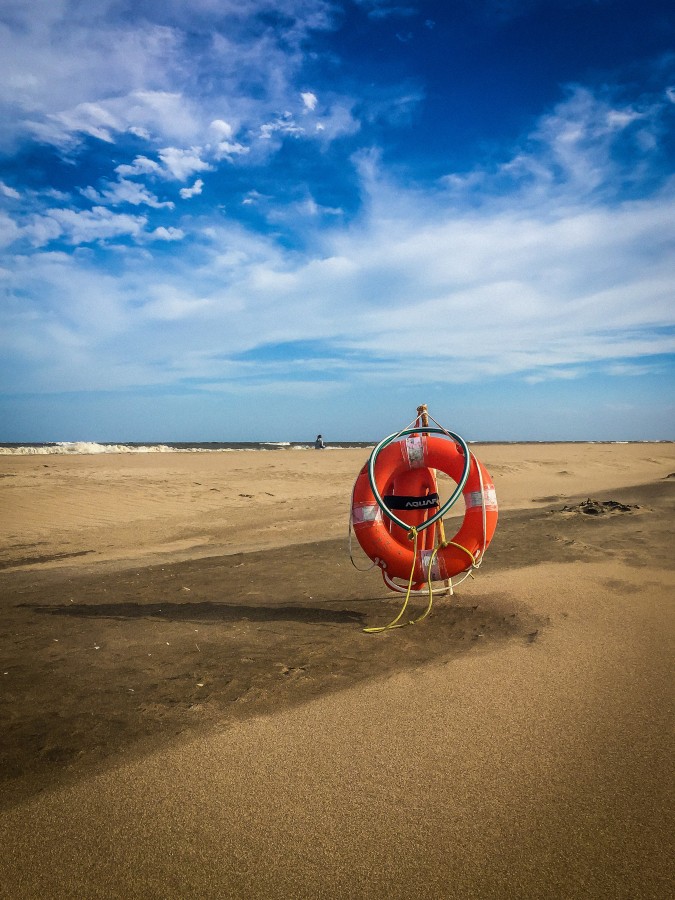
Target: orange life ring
388	544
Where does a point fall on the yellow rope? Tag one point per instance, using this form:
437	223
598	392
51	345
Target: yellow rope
411	534
395	623
431	590
429	570
453	544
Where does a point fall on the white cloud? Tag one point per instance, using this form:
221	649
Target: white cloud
193	191
166	234
139	132
164	114
9	230
42	230
338	121
172	304
143	113
180	164
470	294
535	268
125	191
253	198
309	99
92	119
9	192
57	302
140	166
574	144
228	150
61	73
67	73
307	210
632	369
176	165
221	130
284	124
82	227
587	149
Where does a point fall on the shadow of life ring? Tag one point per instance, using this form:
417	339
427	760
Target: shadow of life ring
385	536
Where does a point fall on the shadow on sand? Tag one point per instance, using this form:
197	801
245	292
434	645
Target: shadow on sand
203	612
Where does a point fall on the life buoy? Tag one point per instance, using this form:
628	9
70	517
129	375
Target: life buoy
387	543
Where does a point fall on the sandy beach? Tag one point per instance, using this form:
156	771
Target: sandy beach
190	706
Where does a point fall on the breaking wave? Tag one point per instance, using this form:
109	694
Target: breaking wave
74	448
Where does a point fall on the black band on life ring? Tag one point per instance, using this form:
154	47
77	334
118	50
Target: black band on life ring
429	501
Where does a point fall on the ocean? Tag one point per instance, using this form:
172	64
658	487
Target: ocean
92	447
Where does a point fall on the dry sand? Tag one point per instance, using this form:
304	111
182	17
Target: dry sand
191	709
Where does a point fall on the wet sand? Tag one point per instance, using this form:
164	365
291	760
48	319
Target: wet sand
191	708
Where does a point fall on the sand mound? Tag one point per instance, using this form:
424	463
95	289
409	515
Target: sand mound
590	507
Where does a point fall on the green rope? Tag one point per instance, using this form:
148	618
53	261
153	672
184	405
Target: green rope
456	493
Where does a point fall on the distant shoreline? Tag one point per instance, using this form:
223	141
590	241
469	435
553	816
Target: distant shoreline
76	448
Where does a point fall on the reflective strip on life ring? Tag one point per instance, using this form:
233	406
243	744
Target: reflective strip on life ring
393	552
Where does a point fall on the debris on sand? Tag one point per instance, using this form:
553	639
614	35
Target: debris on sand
600	507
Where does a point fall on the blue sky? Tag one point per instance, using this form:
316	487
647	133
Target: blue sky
262	219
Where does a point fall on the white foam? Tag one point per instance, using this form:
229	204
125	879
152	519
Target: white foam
81	447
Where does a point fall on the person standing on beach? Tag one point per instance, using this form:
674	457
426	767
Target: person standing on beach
318	443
